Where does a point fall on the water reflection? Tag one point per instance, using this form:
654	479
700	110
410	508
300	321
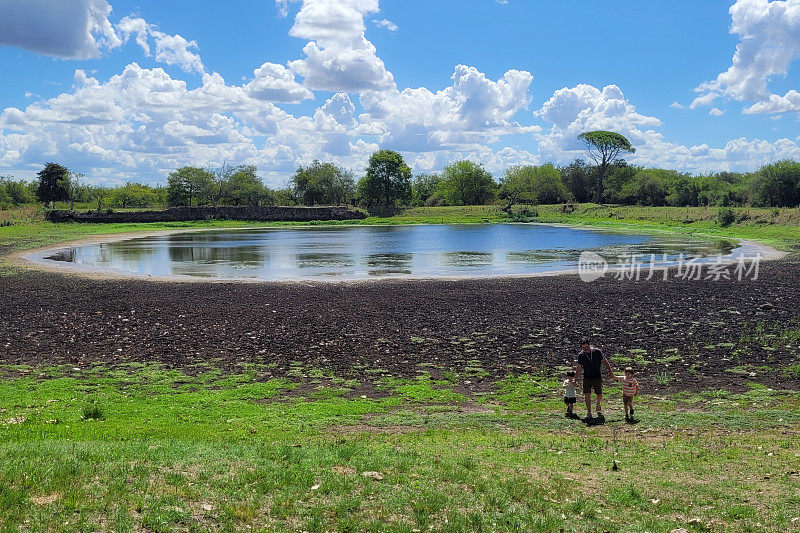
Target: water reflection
530	257
362	252
324	260
467	259
247	256
386	264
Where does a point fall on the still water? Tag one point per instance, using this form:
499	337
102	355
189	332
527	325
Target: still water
360	252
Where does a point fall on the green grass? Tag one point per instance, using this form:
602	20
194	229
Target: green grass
201	451
778	228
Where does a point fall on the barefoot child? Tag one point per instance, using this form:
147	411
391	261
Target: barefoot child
630	388
569	393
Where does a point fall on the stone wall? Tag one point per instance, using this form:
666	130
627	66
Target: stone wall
175	214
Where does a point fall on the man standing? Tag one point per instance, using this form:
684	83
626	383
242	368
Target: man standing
590	361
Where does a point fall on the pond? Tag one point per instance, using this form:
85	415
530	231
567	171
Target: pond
362	252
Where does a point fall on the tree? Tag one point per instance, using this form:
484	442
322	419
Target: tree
604	147
467	183
73	184
323	183
187	183
133	195
217	188
516	186
685	191
617	177
533	185
387	181
284	196
579	179
548	187
53	183
5	198
777	185
424	189
245	187
648	187
18	191
98	194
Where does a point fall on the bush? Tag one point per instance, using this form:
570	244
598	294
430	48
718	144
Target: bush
93	412
725	216
526	214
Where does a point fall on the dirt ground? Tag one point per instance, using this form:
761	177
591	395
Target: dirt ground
700	334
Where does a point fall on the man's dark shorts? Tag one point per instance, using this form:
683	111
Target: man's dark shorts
596	384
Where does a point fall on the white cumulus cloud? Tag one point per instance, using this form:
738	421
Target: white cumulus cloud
175	50
170	49
135	26
769	42
474	110
338	55
276	83
575	110
75	29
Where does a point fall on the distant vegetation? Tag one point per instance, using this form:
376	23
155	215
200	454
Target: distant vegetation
388	182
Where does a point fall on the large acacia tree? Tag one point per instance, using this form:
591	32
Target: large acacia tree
387	182
605	148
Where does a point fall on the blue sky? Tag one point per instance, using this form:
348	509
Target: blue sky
129	90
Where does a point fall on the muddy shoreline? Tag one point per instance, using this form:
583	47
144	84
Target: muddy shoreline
680	334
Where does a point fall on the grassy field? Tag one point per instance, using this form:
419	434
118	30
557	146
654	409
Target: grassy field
148	448
140	447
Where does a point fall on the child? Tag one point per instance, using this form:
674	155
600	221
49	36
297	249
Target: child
569	394
630	388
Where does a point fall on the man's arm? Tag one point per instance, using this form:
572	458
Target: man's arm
578	370
608	365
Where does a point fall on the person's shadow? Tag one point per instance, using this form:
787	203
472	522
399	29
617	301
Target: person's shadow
595	421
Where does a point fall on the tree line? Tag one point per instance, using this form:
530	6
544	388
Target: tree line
388	182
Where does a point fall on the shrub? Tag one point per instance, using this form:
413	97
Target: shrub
93	412
662	379
526	214
725	216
